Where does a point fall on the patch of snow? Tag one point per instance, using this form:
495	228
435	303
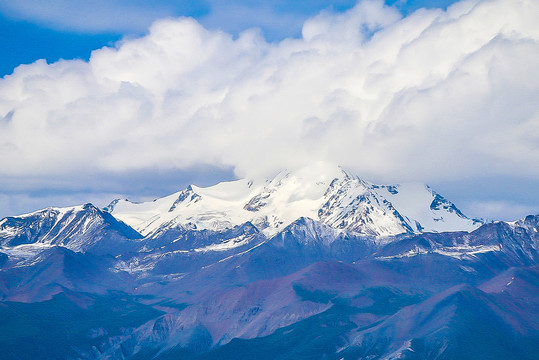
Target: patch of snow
226	245
459	251
453	251
24	251
399	353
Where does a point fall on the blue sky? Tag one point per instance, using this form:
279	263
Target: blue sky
444	97
70	32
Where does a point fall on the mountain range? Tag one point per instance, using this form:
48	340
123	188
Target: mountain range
314	263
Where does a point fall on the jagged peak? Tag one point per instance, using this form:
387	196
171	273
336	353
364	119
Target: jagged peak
185	195
110	207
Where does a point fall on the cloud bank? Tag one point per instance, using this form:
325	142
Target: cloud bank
436	95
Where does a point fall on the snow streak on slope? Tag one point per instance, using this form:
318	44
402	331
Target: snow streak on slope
322	191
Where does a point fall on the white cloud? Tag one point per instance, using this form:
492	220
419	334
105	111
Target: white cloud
435	95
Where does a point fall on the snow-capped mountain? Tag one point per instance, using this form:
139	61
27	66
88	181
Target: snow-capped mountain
296	267
322	192
79	228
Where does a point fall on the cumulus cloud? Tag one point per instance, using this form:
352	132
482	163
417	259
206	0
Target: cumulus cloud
434	95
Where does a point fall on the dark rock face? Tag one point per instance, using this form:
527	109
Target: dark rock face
78	284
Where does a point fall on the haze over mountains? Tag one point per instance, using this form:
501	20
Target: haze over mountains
314	263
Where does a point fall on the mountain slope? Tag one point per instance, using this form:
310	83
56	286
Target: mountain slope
461	322
68	326
56	269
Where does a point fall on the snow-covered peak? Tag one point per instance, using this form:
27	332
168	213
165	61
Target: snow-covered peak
75	227
321	191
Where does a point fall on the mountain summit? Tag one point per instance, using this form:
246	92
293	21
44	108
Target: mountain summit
322	191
